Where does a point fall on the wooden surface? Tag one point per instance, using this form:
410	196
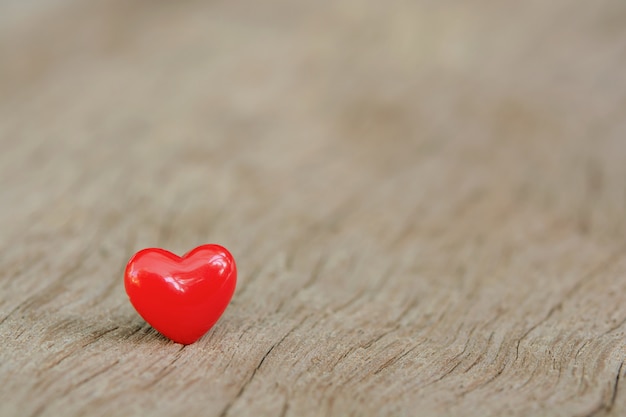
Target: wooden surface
426	200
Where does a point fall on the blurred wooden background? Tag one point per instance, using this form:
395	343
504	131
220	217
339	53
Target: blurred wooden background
426	199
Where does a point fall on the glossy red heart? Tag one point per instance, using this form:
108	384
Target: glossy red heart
181	297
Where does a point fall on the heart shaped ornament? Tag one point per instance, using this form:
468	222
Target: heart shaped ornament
181	297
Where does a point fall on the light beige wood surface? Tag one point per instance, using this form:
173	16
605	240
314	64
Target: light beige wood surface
426	200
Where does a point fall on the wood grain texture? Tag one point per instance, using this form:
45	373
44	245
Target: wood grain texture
427	202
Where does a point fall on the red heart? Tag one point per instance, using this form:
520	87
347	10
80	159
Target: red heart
181	297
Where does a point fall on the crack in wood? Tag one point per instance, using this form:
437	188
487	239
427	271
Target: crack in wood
605	408
245	385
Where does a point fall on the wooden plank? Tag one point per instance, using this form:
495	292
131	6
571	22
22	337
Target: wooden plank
426	201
